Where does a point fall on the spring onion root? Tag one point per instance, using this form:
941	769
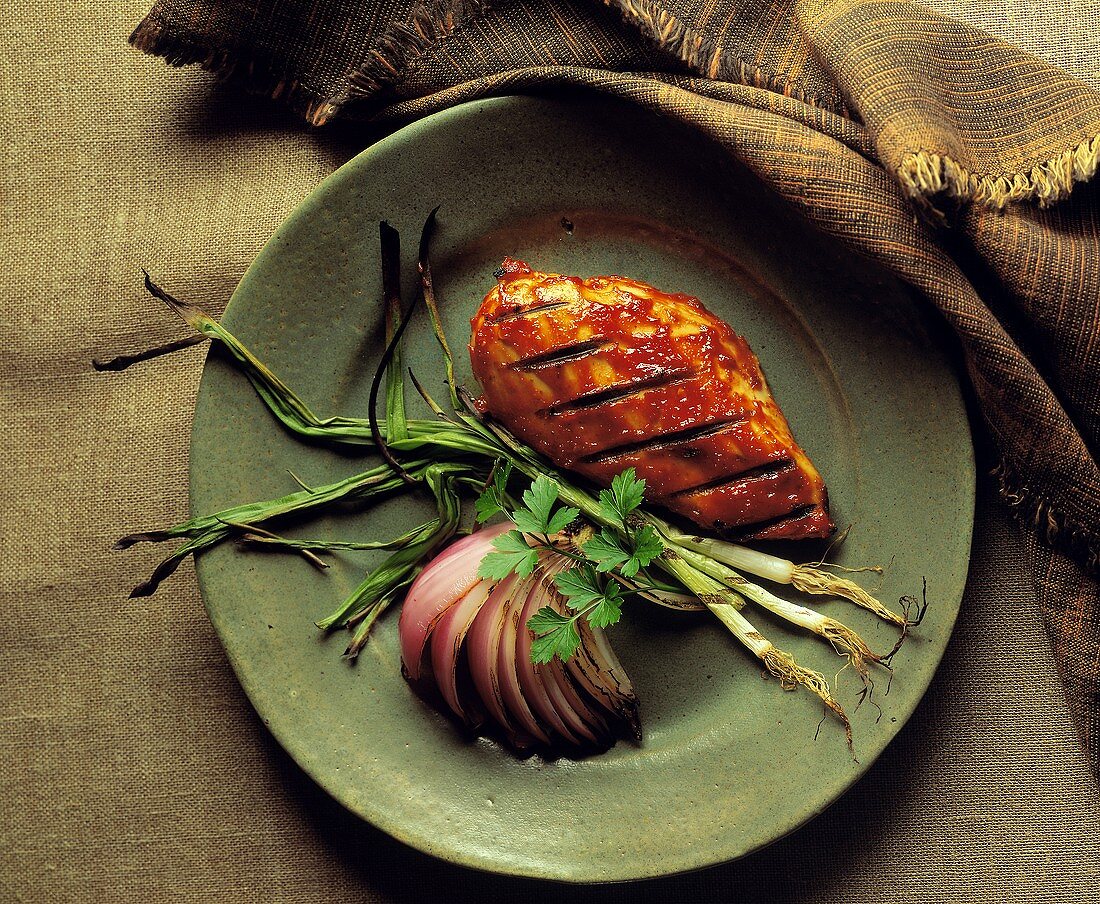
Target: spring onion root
727	604
842	638
806	578
814	581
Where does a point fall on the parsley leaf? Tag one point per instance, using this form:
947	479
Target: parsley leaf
487	505
561	519
647	547
557	635
537	517
624	496
579	586
492	498
547	619
539	498
605	551
527	522
513	554
608	610
625	546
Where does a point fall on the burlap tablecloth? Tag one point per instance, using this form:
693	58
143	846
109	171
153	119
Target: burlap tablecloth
131	765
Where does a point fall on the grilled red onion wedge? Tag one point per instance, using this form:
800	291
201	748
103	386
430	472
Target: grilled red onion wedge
480	653
581	718
483	654
449	576
532	676
447	640
508	669
597	669
576	711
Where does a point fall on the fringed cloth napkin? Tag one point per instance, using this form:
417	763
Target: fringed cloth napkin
861	114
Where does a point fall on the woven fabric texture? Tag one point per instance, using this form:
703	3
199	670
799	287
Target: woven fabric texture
132	767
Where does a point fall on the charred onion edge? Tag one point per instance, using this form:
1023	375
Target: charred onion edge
516	703
447	642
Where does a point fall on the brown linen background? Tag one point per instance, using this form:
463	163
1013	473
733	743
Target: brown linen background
132	767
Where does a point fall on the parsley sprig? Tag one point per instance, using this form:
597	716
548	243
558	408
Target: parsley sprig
593	587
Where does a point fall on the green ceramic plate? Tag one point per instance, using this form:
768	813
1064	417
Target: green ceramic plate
730	761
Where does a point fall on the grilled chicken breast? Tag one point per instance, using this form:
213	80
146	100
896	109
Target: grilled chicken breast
607	373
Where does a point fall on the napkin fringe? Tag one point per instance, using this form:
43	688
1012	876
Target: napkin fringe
180	48
924	175
1055	528
710	59
394	54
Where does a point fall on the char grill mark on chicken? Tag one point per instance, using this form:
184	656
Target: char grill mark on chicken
607	373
